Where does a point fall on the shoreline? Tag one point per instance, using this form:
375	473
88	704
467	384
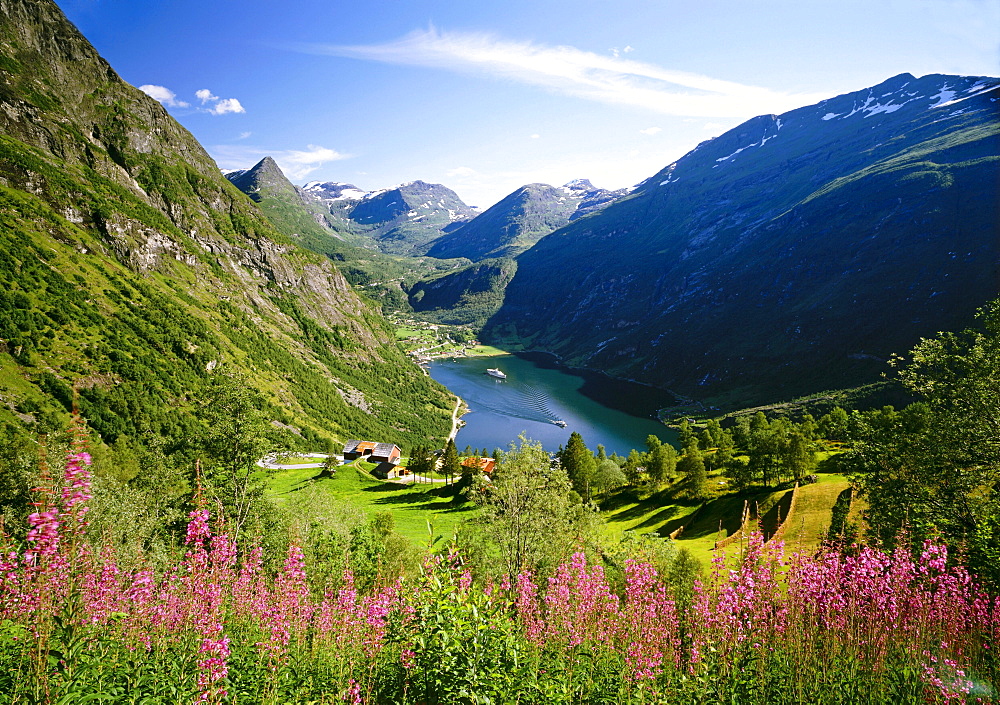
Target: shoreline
455	422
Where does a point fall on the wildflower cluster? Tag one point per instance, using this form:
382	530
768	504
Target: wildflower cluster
216	627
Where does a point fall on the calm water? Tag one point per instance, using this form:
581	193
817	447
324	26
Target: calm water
537	392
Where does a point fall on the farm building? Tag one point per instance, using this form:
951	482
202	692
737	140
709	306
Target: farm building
484	464
372	451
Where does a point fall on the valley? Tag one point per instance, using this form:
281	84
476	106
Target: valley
727	435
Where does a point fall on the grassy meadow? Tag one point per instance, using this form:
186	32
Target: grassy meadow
417	508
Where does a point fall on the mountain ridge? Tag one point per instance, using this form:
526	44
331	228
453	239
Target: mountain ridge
521	219
133	269
727	240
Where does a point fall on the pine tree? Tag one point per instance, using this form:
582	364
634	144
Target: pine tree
451	466
579	464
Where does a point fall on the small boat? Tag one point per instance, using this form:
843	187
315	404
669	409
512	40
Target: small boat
494	372
560	423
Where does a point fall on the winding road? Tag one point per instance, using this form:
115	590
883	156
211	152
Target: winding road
454	419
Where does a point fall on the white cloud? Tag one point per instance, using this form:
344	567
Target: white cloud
227	105
164	95
583	74
650	130
462	172
295	163
715	126
244	135
205	95
220	106
535	136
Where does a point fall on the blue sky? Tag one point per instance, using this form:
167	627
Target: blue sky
486	97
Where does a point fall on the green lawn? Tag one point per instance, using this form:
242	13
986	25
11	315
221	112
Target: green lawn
485	351
813	512
412	507
720	517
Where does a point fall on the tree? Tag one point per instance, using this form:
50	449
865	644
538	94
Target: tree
715	432
661	463
764	446
421	460
333	449
692	467
451	466
579	464
740	474
933	466
834	425
809	428
633	467
724	451
799	460
608	476
233	439
684	433
741	432
527	515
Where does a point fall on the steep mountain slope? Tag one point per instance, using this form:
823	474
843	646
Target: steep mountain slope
522	219
291	211
467	296
131	270
401	220
793	253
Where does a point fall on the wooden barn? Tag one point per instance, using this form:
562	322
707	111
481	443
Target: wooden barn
372	451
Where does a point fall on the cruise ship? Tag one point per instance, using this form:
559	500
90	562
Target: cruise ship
494	372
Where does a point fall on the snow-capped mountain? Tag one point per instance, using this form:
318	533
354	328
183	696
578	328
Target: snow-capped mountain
403	219
795	250
521	219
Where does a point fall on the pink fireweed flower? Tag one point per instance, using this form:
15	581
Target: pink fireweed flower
579	605
649	625
198	530
526	604
76	485
353	693
44	534
213	668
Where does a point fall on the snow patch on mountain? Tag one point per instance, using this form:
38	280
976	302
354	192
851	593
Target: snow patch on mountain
978	89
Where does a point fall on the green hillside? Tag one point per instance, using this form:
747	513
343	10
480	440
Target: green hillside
792	254
134	273
385	278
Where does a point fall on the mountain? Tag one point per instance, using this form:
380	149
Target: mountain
469	295
291	210
521	219
791	254
132	272
401	220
